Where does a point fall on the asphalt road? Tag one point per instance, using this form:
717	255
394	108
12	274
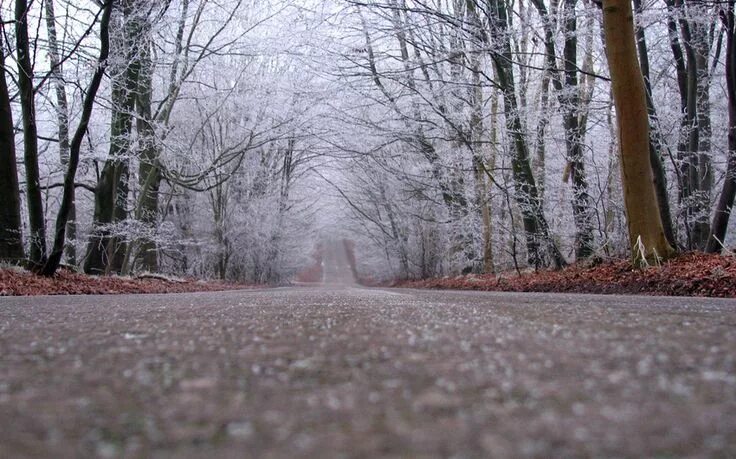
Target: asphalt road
350	372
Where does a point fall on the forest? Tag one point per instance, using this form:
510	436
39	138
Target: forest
228	139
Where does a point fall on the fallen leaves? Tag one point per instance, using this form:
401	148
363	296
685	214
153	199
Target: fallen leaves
690	274
16	282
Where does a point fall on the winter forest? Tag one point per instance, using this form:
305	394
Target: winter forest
231	138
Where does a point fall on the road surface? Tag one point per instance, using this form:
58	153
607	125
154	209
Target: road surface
350	372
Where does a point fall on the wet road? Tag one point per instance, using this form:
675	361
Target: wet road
350	372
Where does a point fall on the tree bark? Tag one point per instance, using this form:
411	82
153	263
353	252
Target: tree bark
67	200
541	249
656	141
11	235
62	116
646	234
696	175
37	223
701	46
724	206
106	251
475	134
581	204
149	171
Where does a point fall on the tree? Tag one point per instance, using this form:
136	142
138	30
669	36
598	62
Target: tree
106	251
573	120
37	227
691	38
725	201
540	246
646	234
11	237
67	200
62	115
657	145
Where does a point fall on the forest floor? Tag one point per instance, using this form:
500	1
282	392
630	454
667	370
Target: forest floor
19	282
690	274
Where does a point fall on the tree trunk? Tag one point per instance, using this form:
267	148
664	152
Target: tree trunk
62	116
724	206
149	172
702	45
482	196
656	142
11	236
696	174
573	122
67	200
37	224
106	251
646	234
541	249
550	65
581	204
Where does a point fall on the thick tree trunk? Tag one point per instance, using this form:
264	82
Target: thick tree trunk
11	236
37	224
646	234
106	251
724	206
657	144
149	172
702	46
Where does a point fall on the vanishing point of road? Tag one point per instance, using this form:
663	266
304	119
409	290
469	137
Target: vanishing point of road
336	371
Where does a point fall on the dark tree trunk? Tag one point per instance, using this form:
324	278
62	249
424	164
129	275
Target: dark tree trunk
694	146
724	206
702	47
581	203
106	251
541	249
149	172
11	236
37	224
62	111
67	201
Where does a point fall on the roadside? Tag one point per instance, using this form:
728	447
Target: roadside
690	274
19	282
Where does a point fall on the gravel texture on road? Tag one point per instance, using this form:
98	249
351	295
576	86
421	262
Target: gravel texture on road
351	372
